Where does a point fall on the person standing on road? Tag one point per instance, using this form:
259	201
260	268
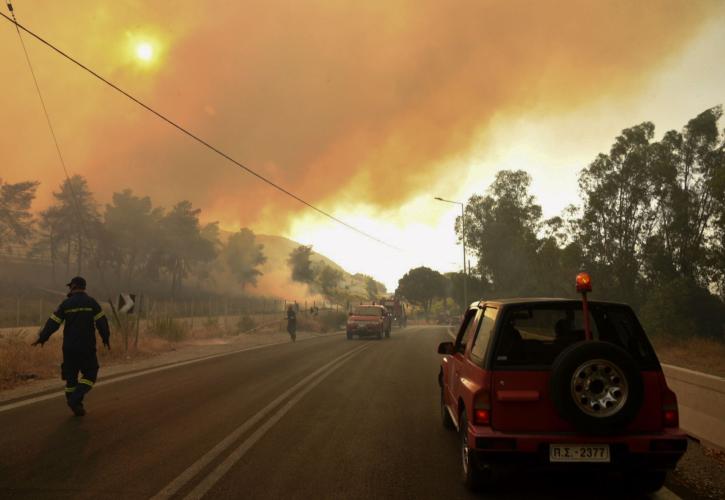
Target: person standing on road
82	315
292	323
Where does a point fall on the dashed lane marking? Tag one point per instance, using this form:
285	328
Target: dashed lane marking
304	386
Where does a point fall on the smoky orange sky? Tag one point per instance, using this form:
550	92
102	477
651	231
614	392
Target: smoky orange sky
341	102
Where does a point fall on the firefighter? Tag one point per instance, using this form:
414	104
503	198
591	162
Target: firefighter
82	315
292	323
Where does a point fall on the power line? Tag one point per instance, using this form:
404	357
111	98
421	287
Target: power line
76	202
196	137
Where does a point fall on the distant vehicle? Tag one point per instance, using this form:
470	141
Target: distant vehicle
528	381
369	320
396	309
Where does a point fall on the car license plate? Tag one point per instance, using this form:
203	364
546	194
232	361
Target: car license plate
579	453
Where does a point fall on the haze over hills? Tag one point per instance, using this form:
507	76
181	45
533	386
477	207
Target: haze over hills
33	274
276	280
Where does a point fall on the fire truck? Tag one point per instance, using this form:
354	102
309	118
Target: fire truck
396	308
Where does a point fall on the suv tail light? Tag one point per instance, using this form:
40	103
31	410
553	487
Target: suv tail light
670	413
670	417
481	416
482	408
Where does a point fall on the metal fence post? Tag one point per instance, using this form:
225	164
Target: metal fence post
138	321
226	311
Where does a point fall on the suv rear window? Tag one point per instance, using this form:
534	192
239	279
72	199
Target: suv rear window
535	334
367	311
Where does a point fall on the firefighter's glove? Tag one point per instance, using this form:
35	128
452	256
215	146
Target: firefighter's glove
108	346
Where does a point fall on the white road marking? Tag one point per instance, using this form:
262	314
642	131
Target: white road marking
186	476
44	397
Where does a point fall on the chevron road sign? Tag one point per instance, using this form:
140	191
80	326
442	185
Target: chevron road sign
126	302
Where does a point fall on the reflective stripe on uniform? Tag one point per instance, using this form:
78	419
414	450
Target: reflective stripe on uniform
85	381
56	319
79	309
70	389
98	316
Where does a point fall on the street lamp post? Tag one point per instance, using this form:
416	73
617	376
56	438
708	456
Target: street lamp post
463	239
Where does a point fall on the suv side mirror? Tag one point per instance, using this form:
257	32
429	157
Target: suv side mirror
446	348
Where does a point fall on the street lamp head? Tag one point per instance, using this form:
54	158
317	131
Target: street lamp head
438	198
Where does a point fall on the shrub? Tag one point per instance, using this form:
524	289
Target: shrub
245	323
211	322
167	329
332	320
19	361
683	309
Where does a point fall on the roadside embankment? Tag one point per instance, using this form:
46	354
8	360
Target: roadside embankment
22	364
172	354
701	401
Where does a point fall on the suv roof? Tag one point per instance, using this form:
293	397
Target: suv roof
378	306
536	300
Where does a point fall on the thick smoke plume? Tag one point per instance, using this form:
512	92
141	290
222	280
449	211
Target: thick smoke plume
340	102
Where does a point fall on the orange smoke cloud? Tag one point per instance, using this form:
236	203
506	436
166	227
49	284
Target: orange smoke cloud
339	102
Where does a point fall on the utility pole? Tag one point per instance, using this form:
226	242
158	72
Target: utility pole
465	272
463	240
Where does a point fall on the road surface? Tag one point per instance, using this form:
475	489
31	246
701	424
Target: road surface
324	418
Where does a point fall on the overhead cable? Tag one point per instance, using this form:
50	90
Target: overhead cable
75	201
195	137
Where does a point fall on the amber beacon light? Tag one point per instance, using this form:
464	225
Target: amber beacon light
583	283
583	286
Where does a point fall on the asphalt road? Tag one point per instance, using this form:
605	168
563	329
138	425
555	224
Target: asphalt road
324	418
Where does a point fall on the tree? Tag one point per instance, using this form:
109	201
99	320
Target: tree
688	168
15	216
371	288
476	287
182	244
71	223
328	280
421	285
501	229
243	255
618	216
131	226
300	264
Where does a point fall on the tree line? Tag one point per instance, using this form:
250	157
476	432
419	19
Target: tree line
131	243
128	242
649	228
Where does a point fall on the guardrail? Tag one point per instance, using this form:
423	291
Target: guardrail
701	400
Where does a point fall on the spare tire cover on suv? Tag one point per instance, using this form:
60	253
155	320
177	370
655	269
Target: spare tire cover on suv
596	386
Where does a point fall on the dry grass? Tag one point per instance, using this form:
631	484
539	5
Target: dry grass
699	354
20	362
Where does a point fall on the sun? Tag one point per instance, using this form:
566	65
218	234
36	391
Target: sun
144	51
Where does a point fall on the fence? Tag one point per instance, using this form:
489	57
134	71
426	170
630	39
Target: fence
26	312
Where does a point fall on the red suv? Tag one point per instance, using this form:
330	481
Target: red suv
369	320
527	381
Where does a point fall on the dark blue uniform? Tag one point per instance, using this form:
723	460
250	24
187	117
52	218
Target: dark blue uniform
82	315
292	324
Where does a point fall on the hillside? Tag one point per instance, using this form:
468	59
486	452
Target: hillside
275	280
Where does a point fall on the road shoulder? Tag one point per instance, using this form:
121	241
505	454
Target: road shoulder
182	352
